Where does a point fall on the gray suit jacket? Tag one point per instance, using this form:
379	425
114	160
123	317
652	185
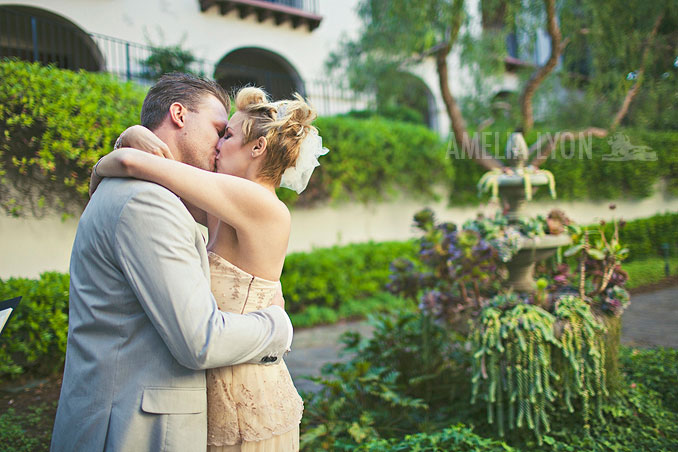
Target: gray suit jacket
143	326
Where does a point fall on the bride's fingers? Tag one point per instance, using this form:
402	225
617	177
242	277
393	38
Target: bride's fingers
166	152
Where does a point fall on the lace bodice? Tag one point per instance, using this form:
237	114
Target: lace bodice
236	290
248	402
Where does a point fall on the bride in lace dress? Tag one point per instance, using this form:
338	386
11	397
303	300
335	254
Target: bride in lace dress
266	144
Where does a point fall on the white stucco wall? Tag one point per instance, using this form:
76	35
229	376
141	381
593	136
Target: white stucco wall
29	247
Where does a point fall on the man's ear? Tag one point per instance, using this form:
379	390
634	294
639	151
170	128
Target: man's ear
259	147
177	114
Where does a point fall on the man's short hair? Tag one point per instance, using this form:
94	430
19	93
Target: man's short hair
189	90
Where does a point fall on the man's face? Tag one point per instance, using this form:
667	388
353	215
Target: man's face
198	139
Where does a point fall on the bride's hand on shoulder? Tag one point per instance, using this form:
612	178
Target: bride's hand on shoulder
139	137
122	162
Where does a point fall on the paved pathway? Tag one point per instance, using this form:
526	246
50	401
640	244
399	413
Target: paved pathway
650	320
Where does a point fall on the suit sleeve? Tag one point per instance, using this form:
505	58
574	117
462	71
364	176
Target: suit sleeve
156	250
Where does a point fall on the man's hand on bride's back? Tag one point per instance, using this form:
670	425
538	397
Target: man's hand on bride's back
139	137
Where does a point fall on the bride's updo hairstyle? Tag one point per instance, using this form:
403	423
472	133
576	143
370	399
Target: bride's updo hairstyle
285	124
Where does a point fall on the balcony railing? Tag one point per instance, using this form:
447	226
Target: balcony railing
35	38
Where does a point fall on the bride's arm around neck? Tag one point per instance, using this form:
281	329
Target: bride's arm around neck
239	202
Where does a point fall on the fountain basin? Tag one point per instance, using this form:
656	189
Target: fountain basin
532	250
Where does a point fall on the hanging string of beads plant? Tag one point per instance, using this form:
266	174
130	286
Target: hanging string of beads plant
519	349
582	367
512	369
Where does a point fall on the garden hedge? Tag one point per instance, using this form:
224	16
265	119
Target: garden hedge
56	123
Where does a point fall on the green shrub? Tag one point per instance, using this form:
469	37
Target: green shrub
458	438
645	236
55	125
381	302
372	159
328	277
656	369
647	271
581	177
34	340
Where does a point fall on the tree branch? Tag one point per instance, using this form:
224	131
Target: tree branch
547	143
540	74
542	153
639	77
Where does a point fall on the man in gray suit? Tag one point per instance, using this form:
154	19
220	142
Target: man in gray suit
143	324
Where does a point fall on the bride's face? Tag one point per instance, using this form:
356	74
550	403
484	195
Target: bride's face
234	156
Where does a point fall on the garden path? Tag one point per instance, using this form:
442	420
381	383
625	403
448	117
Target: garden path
650	320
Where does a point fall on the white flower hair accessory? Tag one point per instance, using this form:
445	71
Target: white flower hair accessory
296	177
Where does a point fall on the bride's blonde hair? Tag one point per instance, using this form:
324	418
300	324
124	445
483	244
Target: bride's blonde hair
285	124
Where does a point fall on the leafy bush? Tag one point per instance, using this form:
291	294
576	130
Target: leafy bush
647	271
656	369
458	438
584	177
55	125
375	158
645	236
381	302
328	277
35	339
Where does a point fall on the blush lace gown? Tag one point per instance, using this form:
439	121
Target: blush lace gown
250	407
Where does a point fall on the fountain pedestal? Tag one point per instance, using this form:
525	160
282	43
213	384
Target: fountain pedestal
533	249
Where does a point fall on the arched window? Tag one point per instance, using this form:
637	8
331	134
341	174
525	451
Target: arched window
406	96
259	67
34	34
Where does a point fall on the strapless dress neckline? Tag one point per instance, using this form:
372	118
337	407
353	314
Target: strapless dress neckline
238	269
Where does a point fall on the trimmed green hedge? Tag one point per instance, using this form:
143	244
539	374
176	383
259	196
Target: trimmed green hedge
645	236
56	123
34	340
586	175
331	276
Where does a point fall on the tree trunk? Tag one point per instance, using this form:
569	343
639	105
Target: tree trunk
462	139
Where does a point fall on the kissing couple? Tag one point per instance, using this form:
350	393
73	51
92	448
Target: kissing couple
176	343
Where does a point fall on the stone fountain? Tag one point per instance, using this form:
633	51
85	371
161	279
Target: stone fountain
515	193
